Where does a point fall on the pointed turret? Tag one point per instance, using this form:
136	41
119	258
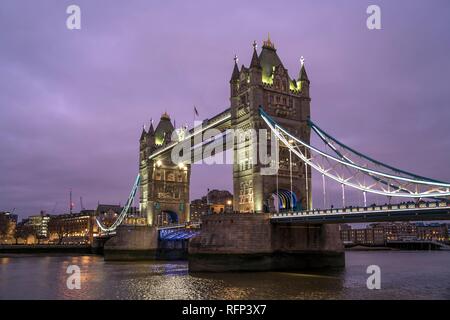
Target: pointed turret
303	80
143	134
234	81
255	63
151	136
163	130
151	130
255	70
302	75
235	74
269	60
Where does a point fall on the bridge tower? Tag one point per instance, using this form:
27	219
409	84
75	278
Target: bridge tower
164	187
266	82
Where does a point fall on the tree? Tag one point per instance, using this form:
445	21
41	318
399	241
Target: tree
56	229
7	228
23	231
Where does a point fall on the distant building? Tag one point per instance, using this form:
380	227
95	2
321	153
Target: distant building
380	233
82	228
75	228
199	207
108	214
221	201
433	232
399	231
216	201
374	235
40	224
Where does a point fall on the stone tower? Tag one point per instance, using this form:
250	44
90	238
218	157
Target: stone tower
266	83
164	187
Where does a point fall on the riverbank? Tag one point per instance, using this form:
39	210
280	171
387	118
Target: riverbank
169	255
365	248
45	248
402	245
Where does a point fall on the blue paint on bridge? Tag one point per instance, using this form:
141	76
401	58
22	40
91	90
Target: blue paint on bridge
178	233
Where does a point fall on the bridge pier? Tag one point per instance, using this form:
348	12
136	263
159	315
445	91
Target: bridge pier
132	243
249	242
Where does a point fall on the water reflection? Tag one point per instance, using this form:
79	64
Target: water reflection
406	275
326	284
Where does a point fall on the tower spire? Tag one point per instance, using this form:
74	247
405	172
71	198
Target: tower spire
151	130
235	74
303	76
143	132
255	63
268	44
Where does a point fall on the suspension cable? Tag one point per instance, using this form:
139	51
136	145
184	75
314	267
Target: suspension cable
125	209
281	133
278	169
290	173
343	195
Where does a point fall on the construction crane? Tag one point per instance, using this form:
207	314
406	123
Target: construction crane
81	203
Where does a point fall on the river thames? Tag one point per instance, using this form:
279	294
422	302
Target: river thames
404	275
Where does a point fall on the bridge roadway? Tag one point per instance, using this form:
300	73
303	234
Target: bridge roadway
423	211
178	231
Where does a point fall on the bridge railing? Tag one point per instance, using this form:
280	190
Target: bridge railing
179	226
385	207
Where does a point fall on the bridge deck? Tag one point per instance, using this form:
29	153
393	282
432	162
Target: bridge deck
422	212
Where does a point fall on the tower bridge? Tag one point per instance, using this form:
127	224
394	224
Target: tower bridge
264	232
165	185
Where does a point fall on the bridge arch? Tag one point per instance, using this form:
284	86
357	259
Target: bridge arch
283	199
167	217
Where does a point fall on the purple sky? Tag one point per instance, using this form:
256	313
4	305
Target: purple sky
72	103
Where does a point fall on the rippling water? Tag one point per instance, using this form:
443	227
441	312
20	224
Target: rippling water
404	275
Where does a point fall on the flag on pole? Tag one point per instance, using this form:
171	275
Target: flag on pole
195	111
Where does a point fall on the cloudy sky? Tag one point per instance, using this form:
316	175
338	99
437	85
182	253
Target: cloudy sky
72	103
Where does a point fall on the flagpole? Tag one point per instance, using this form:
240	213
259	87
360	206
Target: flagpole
193	124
